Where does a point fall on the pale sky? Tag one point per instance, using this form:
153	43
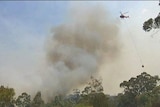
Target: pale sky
25	27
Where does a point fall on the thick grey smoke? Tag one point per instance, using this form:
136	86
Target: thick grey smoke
78	48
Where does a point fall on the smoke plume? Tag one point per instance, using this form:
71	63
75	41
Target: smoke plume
78	48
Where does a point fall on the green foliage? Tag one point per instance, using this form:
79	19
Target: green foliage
99	100
94	86
37	101
147	25
82	105
144	100
112	101
75	97
94	100
157	22
126	100
60	101
23	100
93	94
138	91
155	97
152	23
141	84
6	96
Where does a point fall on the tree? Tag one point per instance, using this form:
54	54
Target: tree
6	96
147	25
126	100
152	23
137	90
141	84
155	97
23	100
93	94
99	100
144	100
94	86
113	101
61	101
38	101
75	97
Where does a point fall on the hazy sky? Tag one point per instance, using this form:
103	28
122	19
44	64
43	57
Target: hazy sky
25	27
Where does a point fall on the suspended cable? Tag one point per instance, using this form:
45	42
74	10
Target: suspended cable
134	43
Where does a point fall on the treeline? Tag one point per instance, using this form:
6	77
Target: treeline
140	91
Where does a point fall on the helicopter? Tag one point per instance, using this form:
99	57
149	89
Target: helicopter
123	16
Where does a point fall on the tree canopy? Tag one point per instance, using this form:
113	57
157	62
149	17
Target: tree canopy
37	100
141	84
152	24
140	91
23	100
6	96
